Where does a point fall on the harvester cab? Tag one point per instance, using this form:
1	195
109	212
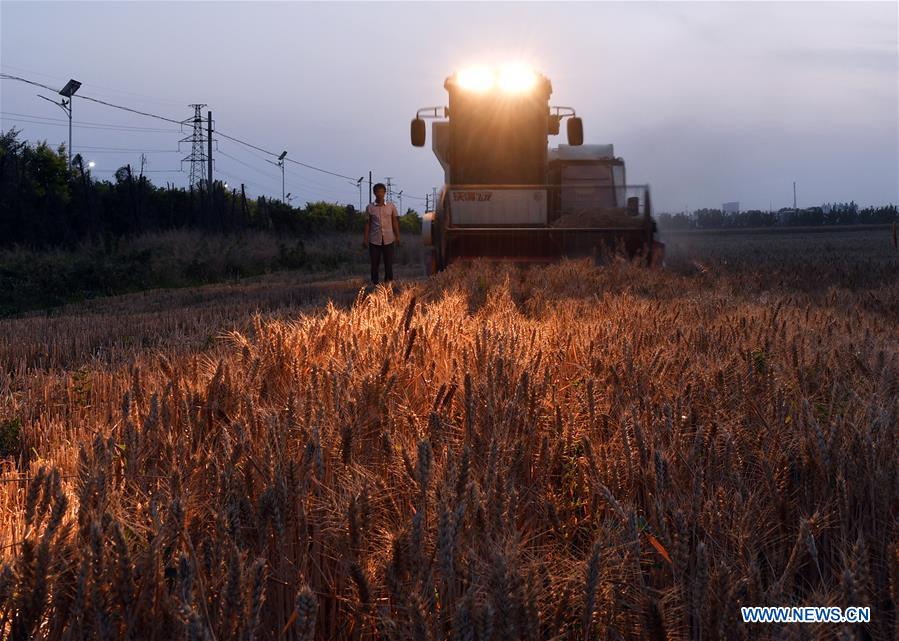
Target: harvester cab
507	195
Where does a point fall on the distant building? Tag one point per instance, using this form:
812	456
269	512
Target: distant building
731	208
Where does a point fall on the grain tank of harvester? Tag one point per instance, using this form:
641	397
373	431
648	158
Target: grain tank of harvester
508	196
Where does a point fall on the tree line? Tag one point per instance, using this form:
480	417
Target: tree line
46	203
829	214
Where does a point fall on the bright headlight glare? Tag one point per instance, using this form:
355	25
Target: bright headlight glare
516	78
476	79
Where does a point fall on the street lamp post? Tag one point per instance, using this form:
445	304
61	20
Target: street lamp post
67	92
280	164
359	185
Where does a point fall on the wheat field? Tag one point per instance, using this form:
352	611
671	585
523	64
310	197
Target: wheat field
495	454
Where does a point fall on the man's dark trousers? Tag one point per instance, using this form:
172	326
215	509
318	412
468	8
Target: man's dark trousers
376	251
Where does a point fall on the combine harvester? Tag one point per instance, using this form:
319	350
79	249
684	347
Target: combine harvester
508	196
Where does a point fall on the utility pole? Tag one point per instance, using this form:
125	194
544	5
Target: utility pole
359	185
400	196
369	187
209	151
794	195
68	107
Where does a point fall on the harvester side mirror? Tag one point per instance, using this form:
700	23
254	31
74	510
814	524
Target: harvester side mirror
552	125
418	132
633	206
575	131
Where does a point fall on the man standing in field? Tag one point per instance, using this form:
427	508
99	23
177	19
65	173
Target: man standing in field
382	234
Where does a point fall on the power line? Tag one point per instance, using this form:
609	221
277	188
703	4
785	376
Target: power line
319	188
112	89
396	188
8	76
320	192
11	77
313	187
142	113
298	176
36	73
255	155
85	122
107	148
30	82
177	122
296	162
64	123
119	151
324	171
265	151
249	166
238	160
243	180
302	179
146	171
13	113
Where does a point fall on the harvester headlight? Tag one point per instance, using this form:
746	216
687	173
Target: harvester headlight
516	79
476	79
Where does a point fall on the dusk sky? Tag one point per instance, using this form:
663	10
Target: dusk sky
706	102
